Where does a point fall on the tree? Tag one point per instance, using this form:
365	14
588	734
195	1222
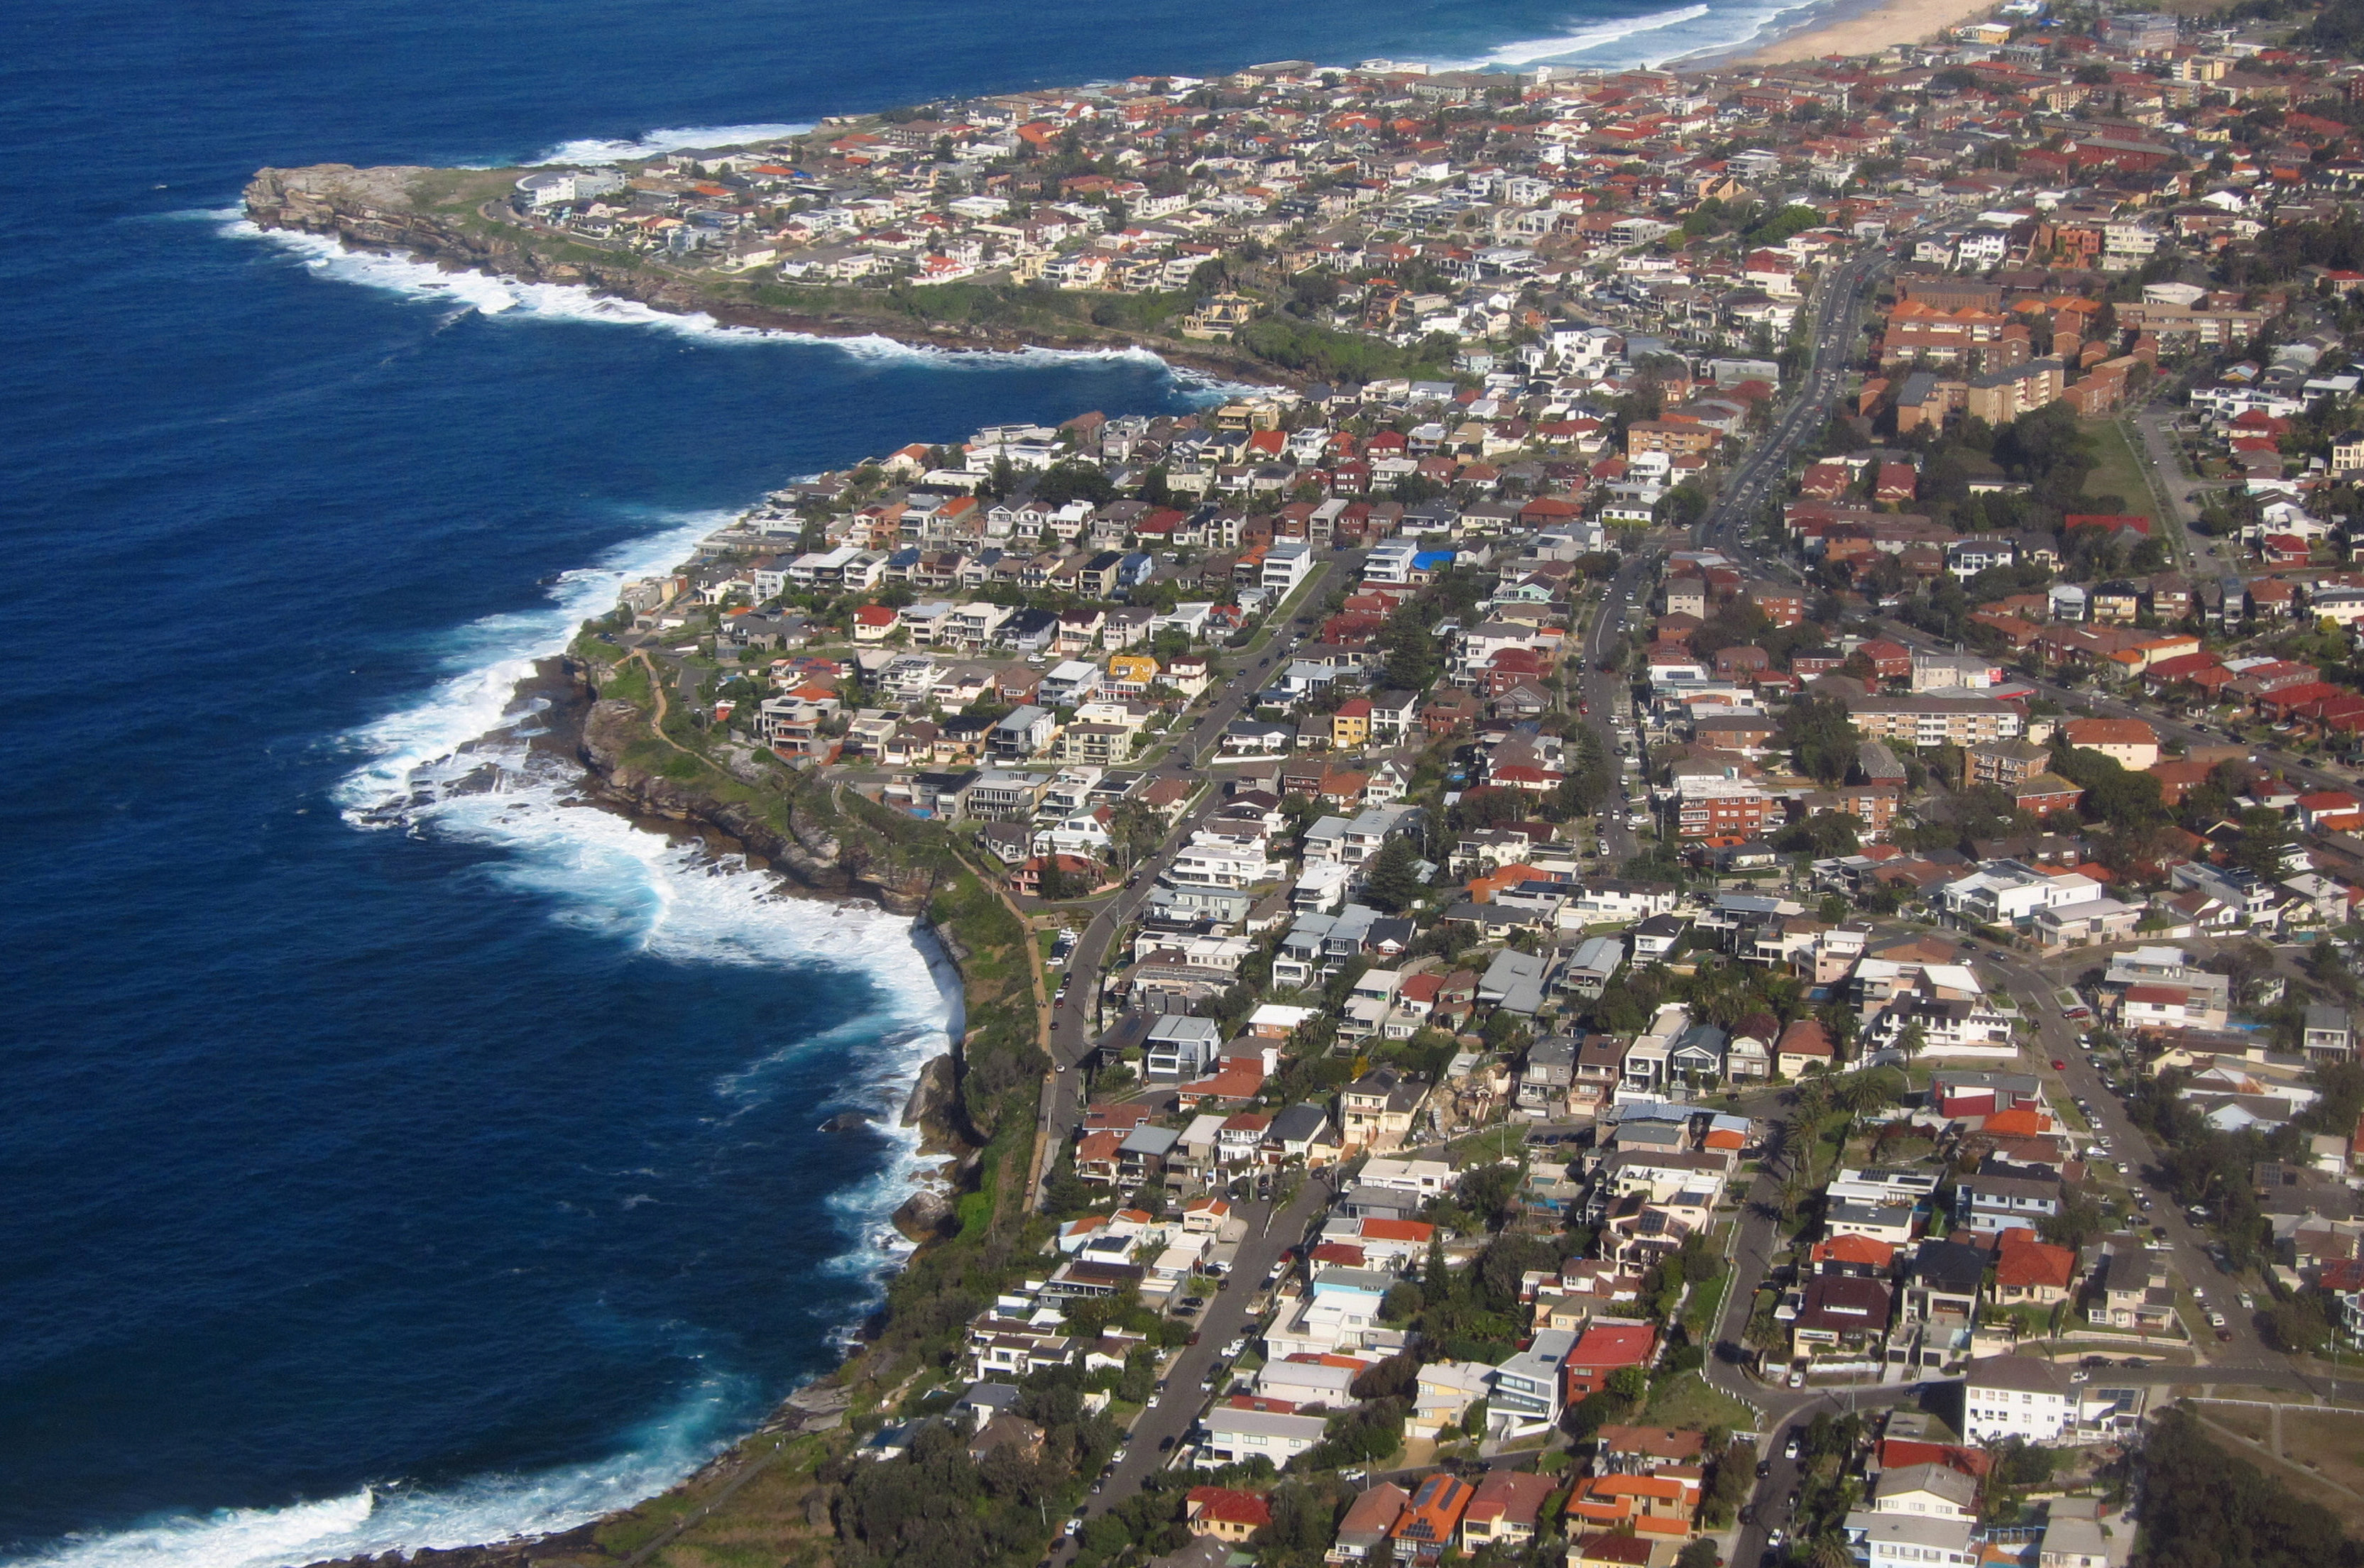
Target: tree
1820	739
1699	1554
1413	659
1629	1383
2205	1507
1823	834
2298	1326
1392	883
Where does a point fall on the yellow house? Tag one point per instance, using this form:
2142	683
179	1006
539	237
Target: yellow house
1137	668
1351	725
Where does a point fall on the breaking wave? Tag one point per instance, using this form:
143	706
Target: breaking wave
677	138
1651	40
668	898
498	296
397	1517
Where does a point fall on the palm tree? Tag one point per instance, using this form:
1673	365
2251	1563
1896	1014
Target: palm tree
1831	1552
1911	1041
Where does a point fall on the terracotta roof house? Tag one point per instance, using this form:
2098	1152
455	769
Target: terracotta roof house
2033	1271
1431	1521
1224	1513
1602	1349
1506	1507
1370	1518
1802	1045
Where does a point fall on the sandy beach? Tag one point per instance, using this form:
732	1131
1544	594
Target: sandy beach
1865	32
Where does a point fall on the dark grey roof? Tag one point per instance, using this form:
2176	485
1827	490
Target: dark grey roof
1950	1266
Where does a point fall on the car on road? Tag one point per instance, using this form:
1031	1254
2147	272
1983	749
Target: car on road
2058	1065
2248	1303
1764	1468
1773	1539
1790	1448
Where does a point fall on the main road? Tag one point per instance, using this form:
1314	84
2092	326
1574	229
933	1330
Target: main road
1605	693
1183	1392
1072	1029
1832	327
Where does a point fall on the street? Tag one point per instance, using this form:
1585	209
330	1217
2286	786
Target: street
1167	1418
1072	1032
2057	1040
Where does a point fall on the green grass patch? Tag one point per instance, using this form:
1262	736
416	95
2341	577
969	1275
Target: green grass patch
1686	1400
2117	470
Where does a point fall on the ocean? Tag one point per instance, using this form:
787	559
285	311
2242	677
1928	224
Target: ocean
380	1183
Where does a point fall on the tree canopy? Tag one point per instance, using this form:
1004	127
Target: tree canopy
1820	737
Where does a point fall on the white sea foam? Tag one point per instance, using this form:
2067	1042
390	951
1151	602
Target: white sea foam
483	665
1652	39
1586	40
400	1517
658	895
513	297
674	139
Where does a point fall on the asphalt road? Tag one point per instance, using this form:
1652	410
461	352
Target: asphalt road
1073	1034
1624	597
1164	1423
2057	1038
1833	329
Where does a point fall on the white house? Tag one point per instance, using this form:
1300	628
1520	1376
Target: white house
1907	1541
2017	1396
1926	1490
1234	1435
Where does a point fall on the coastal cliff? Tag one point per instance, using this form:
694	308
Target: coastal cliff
457	219
780	1486
790	833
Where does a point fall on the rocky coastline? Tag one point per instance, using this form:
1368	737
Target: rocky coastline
570	720
375	210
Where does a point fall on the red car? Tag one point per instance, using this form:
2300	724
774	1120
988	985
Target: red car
2058	1065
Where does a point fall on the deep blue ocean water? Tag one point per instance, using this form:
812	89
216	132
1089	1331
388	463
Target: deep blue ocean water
376	1187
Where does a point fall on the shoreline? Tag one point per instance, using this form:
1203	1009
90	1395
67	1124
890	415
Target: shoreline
925	1157
1850	28
339	206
